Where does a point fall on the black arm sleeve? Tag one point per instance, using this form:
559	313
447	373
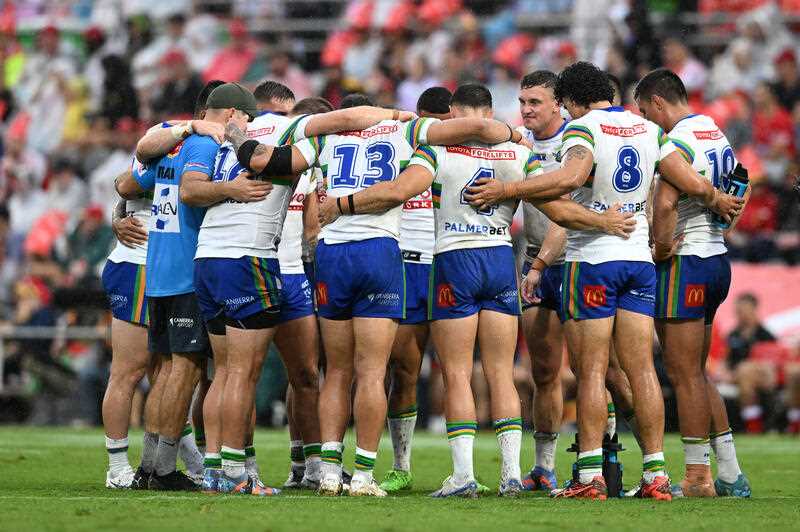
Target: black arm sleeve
279	164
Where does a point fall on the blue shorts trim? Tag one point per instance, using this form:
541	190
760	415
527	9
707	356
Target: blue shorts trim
237	288
296	300
417	281
465	281
124	284
549	289
592	291
360	279
692	287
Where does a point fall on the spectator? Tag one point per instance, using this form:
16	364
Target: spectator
179	87
773	133
678	58
787	88
20	163
233	61
736	70
146	62
119	99
418	80
66	191
284	70
753	237
88	247
362	56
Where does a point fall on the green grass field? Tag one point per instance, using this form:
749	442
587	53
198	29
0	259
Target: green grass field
53	479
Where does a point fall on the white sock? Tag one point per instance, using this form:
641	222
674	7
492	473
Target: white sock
296	454
696	451
751	412
312	452
590	465
727	464
149	451
509	438
364	465
250	464
189	453
545	449
212	461
401	429
331	463
461	438
117	454
653	466
233	462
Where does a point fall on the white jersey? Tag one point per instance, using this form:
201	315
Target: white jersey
352	161
290	250
417	228
536	223
455	168
141	210
626	150
233	229
698	139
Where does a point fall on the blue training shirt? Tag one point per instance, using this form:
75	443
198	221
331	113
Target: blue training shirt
172	239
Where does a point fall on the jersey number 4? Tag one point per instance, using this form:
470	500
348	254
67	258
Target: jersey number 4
482	173
380	157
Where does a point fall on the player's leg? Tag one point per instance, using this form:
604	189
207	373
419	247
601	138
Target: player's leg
497	338
296	457
129	362
152	408
212	406
545	338
621	404
198	423
188	452
334	399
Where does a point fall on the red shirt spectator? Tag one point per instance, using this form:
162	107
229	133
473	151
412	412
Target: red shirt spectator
772	124
760	216
231	63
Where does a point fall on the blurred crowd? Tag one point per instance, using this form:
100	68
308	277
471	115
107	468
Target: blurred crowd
83	79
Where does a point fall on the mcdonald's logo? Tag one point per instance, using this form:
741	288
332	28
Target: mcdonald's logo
594	295
445	296
322	293
695	295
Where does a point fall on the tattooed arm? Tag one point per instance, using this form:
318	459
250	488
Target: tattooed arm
263	153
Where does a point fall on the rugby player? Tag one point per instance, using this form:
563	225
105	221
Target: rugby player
473	287
609	284
359	272
176	326
416	244
124	282
694	276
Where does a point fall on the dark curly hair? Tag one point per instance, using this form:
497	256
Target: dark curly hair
584	84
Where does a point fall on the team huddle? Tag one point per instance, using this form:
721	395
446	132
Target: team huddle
351	237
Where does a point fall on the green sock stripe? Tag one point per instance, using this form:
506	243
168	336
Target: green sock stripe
236	457
296	454
506	425
250	451
364	463
723	433
456	429
590	462
116	450
411	411
199	440
186	430
213	463
694	441
611	410
654	466
312	450
331	457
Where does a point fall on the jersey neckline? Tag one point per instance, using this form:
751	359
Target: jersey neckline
613	109
690	115
554	135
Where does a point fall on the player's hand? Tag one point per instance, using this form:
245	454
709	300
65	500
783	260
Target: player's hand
529	284
406	116
485	192
247	190
525	142
328	211
727	206
209	129
618	223
130	231
662	252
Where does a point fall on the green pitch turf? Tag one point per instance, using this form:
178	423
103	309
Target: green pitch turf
53	479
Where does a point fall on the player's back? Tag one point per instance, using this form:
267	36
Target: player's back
352	161
290	253
700	141
626	152
458	224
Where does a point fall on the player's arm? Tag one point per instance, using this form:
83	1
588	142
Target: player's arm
159	140
552	246
266	162
198	190
458	130
746	199
129	230
569	214
352	119
311	226
665	219
680	174
127	186
574	172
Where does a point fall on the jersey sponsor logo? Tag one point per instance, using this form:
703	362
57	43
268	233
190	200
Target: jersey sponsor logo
165	209
165	172
296	204
322	293
475	228
715	134
483	153
599	206
384	298
594	295
253	133
117	300
176	150
624	131
695	295
372	132
182	323
445	297
420	201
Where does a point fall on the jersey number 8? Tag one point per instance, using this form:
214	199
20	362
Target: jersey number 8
627	177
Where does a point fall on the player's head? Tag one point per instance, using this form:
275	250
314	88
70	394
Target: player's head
471	100
356	99
311	106
747	309
537	102
434	102
200	103
274	97
616	84
659	93
580	85
231	101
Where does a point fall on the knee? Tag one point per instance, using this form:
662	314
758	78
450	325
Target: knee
405	377
545	373
305	378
